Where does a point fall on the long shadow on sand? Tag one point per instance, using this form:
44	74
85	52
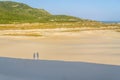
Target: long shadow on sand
18	69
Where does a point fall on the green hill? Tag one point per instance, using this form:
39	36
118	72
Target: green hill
14	12
63	18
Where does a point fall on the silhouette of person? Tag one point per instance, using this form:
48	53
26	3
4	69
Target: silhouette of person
37	54
34	56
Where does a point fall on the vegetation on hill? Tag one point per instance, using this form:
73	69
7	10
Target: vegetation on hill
63	18
14	15
14	12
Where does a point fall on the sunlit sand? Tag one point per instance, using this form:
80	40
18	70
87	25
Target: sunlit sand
102	46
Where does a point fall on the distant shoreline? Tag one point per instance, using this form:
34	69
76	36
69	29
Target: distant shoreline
110	21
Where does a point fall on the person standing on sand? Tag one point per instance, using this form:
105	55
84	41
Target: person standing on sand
36	56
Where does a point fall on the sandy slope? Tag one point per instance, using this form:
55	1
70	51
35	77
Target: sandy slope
98	46
15	69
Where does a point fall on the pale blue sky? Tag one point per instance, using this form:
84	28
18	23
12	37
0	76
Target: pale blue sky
101	10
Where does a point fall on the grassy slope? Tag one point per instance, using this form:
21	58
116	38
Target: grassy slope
13	12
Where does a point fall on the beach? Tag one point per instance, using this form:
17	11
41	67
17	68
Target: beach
93	46
25	69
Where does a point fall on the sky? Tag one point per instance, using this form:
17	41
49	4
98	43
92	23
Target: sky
101	10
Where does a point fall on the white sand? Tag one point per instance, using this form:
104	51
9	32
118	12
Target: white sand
102	46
